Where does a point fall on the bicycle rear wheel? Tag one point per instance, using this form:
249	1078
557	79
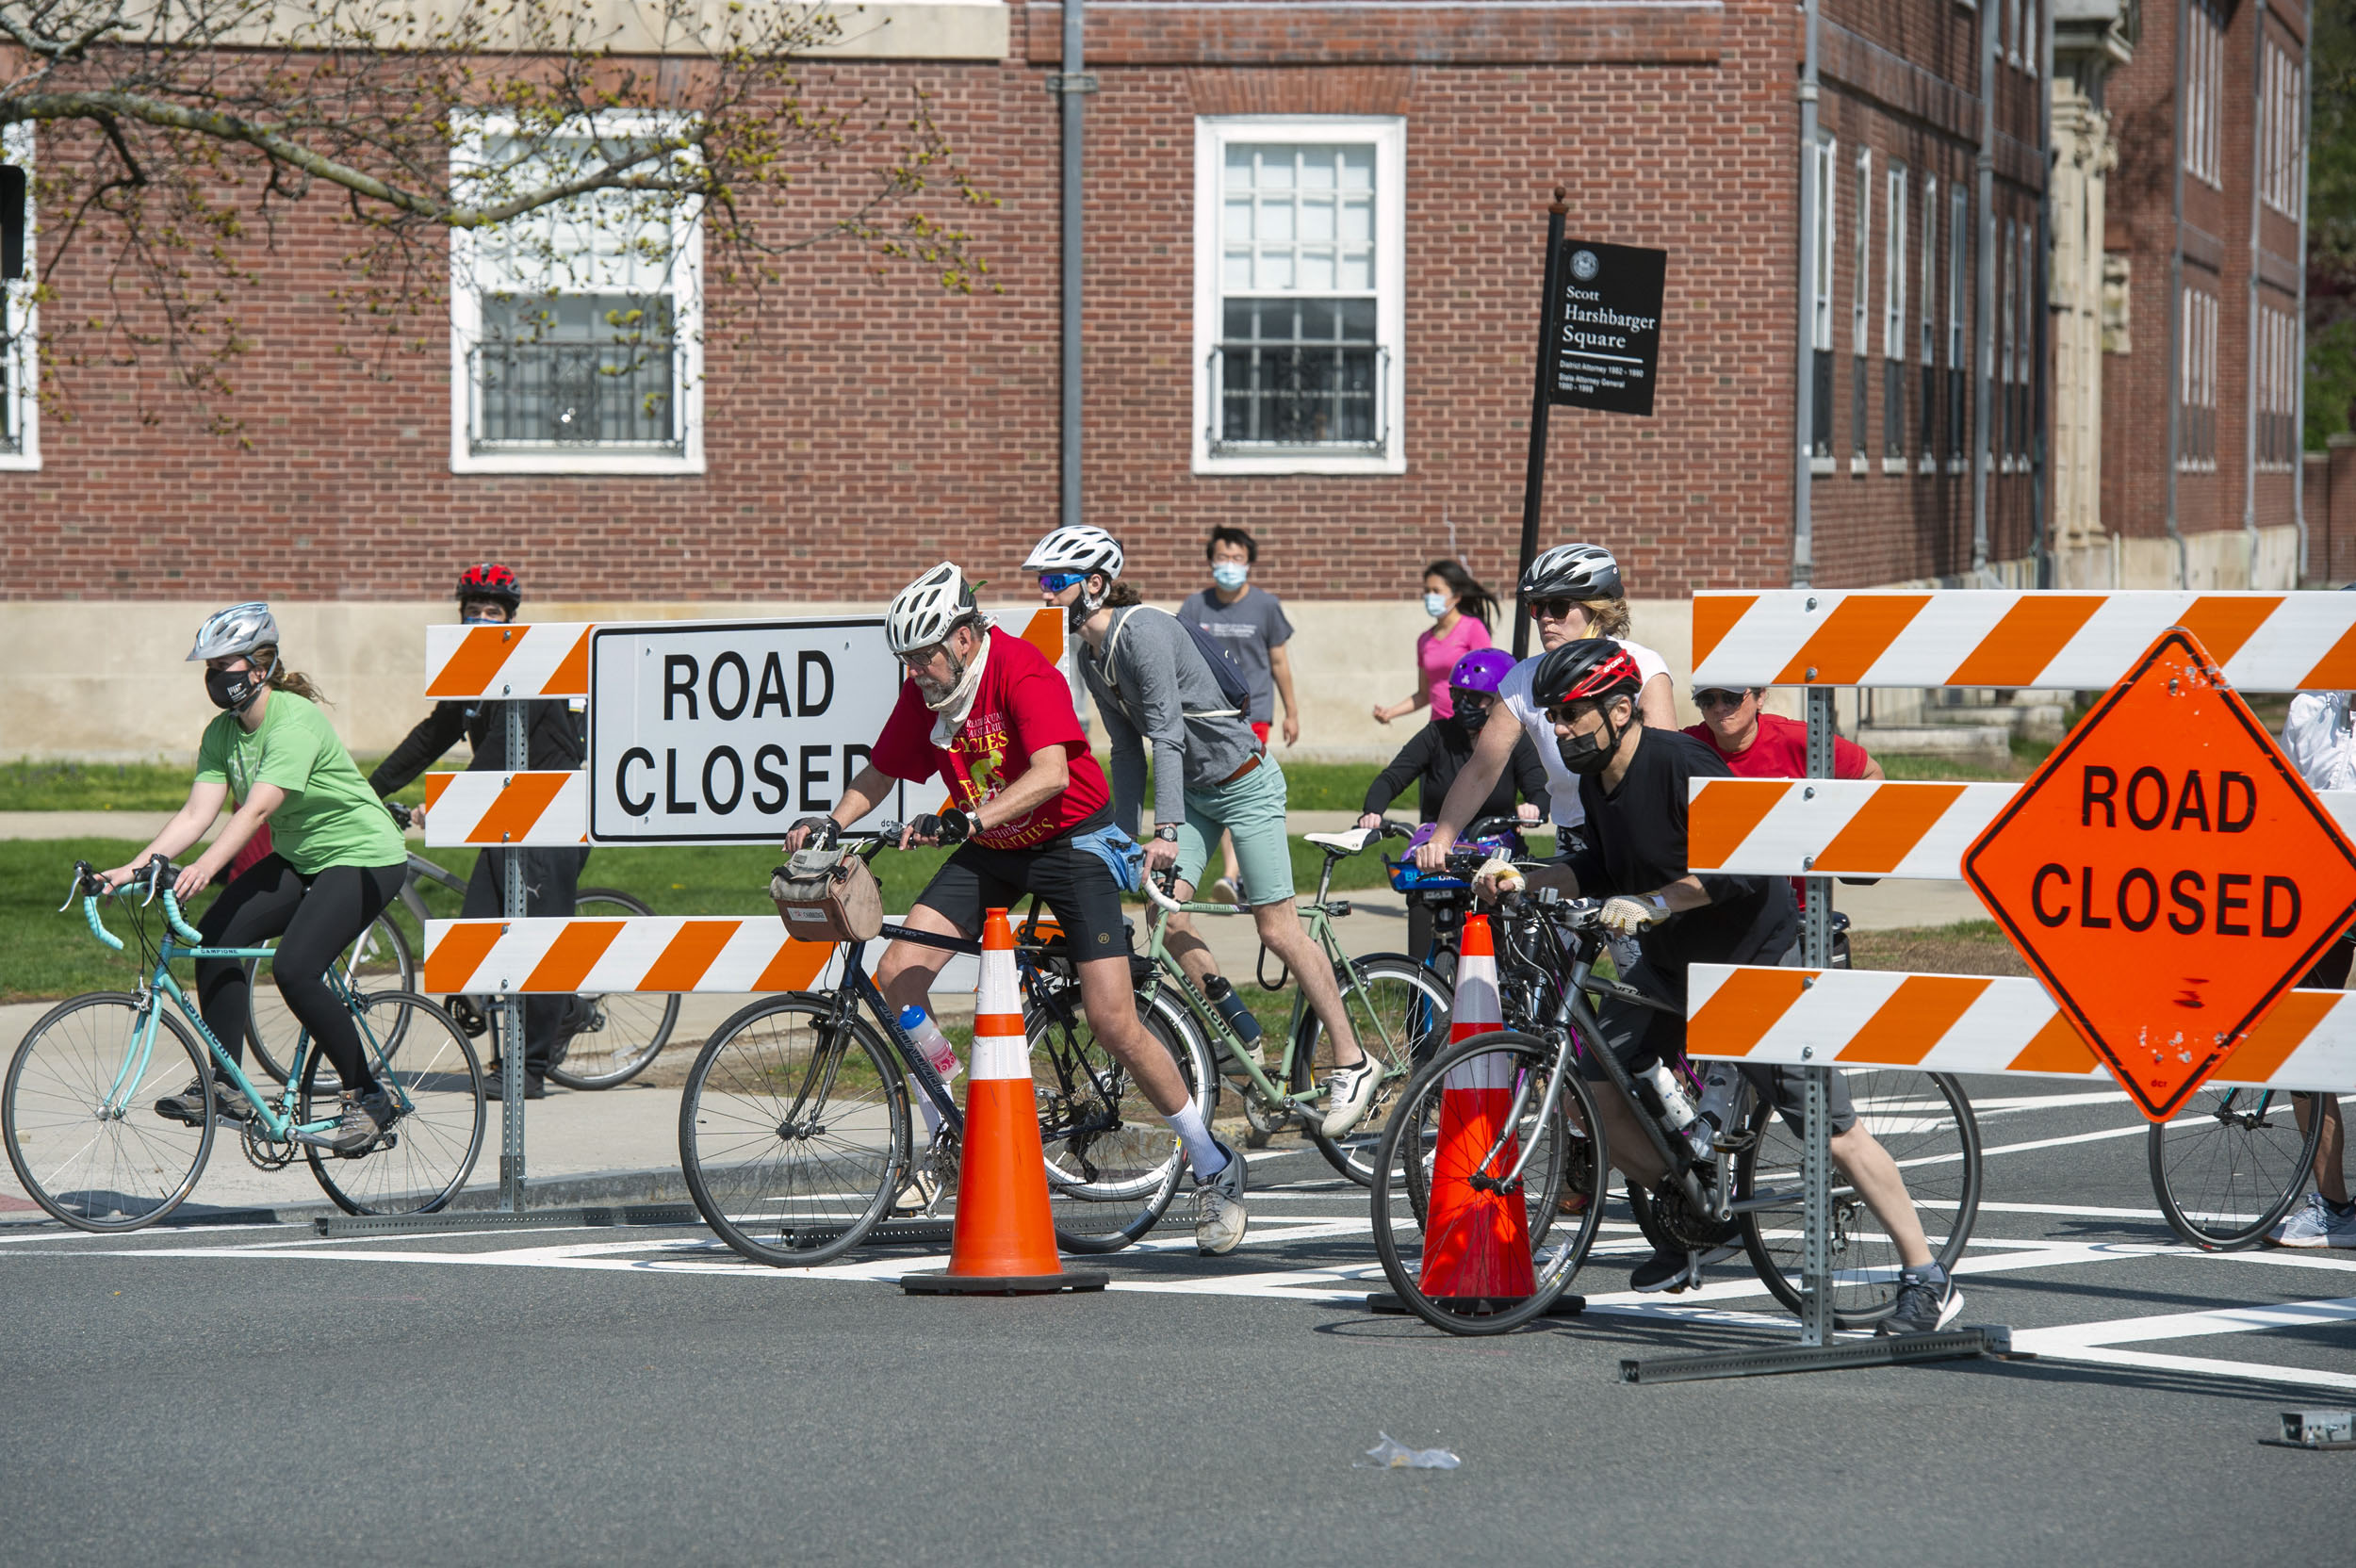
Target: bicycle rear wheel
1924	1122
2230	1163
793	1130
426	1063
625	1031
1400	1012
1430	1257
1113	1163
379	960
78	1114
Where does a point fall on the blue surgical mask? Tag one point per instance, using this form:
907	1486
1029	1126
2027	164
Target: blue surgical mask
1230	575
1435	605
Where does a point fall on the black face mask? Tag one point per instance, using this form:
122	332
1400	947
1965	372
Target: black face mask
1590	752
1472	718
233	690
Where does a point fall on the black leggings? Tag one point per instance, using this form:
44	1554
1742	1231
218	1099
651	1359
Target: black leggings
315	919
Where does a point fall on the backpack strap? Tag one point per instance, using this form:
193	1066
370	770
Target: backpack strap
1113	642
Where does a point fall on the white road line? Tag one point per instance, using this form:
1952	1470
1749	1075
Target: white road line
2191	1325
2237	1371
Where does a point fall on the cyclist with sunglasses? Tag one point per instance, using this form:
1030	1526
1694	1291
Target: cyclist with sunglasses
1574	593
986	714
1754	743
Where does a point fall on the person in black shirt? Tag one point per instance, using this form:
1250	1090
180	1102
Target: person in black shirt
1439	752
1633	781
490	593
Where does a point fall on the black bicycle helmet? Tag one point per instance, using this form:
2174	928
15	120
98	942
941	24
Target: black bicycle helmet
1593	667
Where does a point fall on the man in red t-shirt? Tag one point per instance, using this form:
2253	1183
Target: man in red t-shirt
988	716
1756	744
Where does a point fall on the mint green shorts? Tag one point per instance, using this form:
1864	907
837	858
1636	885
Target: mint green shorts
1252	809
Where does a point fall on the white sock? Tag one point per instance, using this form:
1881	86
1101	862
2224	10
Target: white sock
1203	1154
925	1104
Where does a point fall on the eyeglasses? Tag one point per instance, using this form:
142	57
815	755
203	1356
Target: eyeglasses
919	660
1705	700
1056	583
1551	609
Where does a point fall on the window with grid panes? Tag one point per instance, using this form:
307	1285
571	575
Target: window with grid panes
1927	342
20	357
1820	306
1958	361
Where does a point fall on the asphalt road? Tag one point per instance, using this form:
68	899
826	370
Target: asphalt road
242	1393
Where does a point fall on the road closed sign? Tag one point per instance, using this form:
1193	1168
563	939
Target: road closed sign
728	731
2167	874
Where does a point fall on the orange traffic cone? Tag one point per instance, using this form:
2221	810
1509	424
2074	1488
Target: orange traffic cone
1005	1240
1476	1242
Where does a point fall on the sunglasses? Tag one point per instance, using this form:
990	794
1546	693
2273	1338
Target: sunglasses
1551	609
1709	700
1056	583
1475	700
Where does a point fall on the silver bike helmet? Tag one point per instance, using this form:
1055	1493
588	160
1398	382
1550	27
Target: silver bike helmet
239	628
1076	549
1581	571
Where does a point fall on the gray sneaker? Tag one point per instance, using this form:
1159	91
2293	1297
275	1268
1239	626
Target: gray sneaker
363	1121
2313	1223
1219	1219
229	1104
1923	1308
1348	1095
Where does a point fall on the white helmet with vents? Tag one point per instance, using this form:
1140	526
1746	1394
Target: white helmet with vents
1580	571
239	628
927	610
1076	549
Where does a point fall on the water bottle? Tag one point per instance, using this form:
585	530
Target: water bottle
1231	1008
1719	1085
918	1025
1676	1110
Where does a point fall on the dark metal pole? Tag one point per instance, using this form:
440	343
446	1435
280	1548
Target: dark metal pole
1804	404
512	1052
1541	401
1074	93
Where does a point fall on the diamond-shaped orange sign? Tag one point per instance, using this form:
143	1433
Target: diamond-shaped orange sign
2167	872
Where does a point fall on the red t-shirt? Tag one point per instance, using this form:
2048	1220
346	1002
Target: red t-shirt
1779	750
1023	707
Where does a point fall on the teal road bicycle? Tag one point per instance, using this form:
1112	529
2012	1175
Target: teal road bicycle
78	1110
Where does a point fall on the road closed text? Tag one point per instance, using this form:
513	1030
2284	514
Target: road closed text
2185	874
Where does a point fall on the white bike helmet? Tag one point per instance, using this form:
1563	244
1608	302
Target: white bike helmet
1077	548
1581	571
239	628
927	610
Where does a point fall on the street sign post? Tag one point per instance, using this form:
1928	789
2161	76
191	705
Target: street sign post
2167	874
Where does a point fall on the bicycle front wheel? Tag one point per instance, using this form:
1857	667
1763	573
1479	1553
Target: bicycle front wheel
78	1113
1924	1122
426	1064
1113	1163
1466	1179
2230	1163
1398	1010
793	1130
379	959
624	1031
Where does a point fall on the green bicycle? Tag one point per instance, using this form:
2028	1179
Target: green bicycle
1398	1009
77	1115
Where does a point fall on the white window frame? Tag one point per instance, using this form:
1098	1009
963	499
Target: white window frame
1928	309
465	310
1960	242
2197	382
1388	136
2205	82
1828	236
1862	257
1894	313
24	317
2279	114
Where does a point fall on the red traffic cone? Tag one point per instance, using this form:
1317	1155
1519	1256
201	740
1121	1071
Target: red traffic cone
1005	1240
1476	1244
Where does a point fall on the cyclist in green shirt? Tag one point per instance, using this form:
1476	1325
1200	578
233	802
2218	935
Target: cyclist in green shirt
335	861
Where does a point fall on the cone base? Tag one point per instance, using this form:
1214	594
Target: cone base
944	1284
1564	1305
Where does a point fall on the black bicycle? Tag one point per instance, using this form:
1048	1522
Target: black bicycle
608	1039
795	1129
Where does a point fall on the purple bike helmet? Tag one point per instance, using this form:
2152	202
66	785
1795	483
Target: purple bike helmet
1481	670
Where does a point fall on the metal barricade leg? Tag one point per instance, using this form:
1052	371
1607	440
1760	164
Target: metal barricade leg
512	1003
1816	1315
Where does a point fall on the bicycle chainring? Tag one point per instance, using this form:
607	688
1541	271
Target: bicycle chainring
264	1152
1681	1223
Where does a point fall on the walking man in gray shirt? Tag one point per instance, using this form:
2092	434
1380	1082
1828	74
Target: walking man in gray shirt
1248	626
1153	683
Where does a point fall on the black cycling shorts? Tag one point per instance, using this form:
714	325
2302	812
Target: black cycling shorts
1075	886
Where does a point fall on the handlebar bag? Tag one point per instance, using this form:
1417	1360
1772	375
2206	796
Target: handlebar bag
825	895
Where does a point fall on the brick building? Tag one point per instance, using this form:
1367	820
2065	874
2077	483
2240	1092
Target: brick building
1313	235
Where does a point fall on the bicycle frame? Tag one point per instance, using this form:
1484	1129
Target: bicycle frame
181	940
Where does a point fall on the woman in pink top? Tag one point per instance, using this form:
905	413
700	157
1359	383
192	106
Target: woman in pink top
1460	608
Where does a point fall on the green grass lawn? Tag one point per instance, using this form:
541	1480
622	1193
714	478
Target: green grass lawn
142	787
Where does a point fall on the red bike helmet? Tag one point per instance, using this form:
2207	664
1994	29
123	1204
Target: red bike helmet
493	581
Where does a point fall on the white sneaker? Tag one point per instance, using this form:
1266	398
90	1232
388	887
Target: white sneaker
2315	1223
1348	1095
1219	1219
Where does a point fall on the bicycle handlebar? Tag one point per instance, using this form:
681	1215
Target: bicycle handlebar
1153	892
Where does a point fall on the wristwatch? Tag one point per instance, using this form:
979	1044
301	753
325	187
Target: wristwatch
1166	830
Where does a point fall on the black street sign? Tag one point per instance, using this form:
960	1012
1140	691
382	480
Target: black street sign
1607	349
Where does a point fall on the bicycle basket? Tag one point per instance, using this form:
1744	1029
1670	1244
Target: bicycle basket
825	895
1405	879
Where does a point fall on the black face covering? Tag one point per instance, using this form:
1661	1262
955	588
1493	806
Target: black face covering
1590	752
233	689
1473	718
